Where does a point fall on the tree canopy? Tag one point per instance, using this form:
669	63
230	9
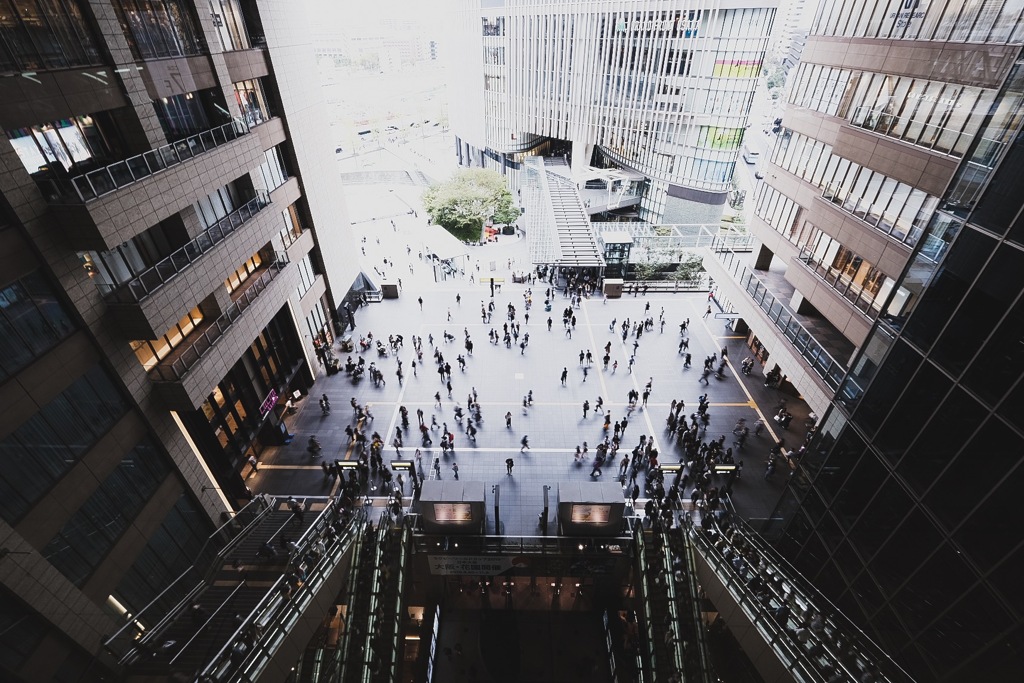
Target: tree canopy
473	196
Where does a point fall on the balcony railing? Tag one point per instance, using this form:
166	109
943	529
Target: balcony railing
861	298
148	281
822	363
199	344
275	616
103	181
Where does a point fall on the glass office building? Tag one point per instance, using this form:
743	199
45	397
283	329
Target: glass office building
892	207
659	88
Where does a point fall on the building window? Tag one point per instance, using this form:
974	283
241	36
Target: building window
50	442
170	551
231	417
84	541
252	102
494	83
229	20
32	321
272	171
493	26
219	203
720	138
43	34
292	228
307	275
112	268
181	115
159	28
243	272
70	143
494	56
152	351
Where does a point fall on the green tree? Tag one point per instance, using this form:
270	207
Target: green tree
471	197
647	271
689	268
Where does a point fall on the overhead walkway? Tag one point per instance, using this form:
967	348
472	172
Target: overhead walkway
558	228
785	626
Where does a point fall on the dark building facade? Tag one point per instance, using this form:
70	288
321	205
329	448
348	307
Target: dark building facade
163	290
903	508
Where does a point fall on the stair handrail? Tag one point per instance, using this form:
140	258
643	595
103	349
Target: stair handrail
214	565
132	620
266	618
810	595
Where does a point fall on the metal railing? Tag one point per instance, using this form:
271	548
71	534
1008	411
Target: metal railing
123	643
150	280
841	283
821	361
199	344
269	623
103	181
782	606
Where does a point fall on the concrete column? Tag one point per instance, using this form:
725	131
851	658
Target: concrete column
581	153
799	304
143	132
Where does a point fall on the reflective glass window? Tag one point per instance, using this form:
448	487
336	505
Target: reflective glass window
89	534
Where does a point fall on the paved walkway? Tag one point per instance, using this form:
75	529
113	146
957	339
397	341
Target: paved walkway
502	377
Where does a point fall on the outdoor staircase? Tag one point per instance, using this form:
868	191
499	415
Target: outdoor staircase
187	641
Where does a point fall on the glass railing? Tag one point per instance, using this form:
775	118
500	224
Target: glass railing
269	624
103	181
806	631
861	298
662	242
198	344
148	281
821	361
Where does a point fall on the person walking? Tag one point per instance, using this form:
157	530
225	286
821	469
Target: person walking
508	419
586	409
455	470
525	441
565	374
509	464
586	369
707	312
421	302
255	465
